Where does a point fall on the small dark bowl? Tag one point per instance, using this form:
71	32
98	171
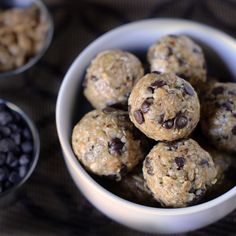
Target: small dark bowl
6	196
7	4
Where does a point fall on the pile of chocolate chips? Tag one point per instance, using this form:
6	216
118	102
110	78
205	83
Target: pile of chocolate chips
16	148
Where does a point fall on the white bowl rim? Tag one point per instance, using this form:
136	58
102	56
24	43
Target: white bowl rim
66	146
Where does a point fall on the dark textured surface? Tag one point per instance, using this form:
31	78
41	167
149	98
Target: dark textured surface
49	203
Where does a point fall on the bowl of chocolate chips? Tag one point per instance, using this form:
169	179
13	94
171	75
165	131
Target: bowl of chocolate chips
19	147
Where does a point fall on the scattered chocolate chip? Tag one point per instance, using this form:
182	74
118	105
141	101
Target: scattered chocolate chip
123	170
217	90
27	134
171	146
14	177
169	51
156	72
94	78
138	115
3	174
24	159
234	130
180	162
168	124
157	84
115	146
5	131
107	110
180	121
146	105
17	138
181	61
150	89
149	166
7	145
188	89
196	50
227	105
160	119
22	171
204	162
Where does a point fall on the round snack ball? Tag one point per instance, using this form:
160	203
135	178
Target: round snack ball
110	78
164	106
218	120
103	141
180	55
179	173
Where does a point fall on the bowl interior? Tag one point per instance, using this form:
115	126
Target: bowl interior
220	51
7	4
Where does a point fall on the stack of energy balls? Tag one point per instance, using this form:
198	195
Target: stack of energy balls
164	105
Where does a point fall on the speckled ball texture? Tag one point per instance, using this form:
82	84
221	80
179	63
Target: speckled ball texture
218	119
179	173
104	142
164	106
110	78
180	55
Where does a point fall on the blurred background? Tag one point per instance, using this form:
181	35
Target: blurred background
49	203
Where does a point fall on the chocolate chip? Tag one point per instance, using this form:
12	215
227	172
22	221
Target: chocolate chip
27	134
234	130
169	52
12	160
160	119
204	162
188	89
150	89
5	118
3	158
22	171
27	147
7	145
94	78
5	131
227	105
16	138
3	174
14	177
24	159
107	110
146	105
149	166
171	146
196	50
168	124
181	61
115	146
138	115
157	84
217	90
180	162
180	121
156	72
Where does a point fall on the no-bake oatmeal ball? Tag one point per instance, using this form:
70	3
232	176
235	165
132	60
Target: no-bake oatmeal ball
111	77
104	142
164	106
180	55
219	115
179	173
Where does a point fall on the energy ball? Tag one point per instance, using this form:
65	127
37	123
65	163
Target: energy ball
164	106
179	173
110	78
180	55
219	115
104	142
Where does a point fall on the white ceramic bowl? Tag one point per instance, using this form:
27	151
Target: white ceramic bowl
136	36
